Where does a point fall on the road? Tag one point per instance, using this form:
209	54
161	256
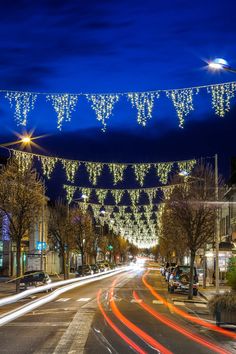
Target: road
126	313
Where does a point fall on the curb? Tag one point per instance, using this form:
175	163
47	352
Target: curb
203	295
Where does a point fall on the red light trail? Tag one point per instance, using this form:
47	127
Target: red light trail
178	328
183	313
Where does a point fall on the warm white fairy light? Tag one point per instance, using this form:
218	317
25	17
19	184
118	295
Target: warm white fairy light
23	102
151	193
71	167
221	95
94	170
70	191
163	170
103	106
143	102
183	102
101	195
48	164
186	166
117	171
64	105
140	171
85	193
23	159
117	195
167	191
134	195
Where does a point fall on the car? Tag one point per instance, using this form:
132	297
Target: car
95	268
179	279
84	270
34	278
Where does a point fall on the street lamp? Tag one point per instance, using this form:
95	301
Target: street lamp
220	64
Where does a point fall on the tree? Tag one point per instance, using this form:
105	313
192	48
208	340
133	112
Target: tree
192	211
22	196
82	229
60	232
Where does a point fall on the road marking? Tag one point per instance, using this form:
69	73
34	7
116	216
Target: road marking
200	305
84	299
137	301
179	303
63	299
158	302
75	337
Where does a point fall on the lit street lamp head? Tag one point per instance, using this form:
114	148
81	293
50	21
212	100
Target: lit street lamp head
220	64
26	139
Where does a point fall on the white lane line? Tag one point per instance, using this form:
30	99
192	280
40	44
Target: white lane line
137	301
179	303
157	302
200	305
63	299
84	299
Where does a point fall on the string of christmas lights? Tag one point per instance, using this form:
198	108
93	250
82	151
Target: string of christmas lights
103	103
95	169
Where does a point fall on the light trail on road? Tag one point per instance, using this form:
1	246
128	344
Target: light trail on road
146	337
178	328
116	329
183	313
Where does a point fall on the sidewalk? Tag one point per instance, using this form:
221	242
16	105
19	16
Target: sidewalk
210	291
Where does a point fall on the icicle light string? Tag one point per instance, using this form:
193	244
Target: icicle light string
103	103
95	169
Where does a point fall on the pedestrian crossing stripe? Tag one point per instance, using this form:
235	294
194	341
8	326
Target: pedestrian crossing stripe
179	303
137	301
63	299
158	302
200	305
84	299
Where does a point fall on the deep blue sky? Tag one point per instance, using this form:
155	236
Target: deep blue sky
109	46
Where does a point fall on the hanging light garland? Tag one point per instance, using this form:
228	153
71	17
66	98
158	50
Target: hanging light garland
117	170
48	165
63	105
186	166
103	106
221	96
94	170
117	195
140	171
101	195
163	170
134	196
143	102
71	167
23	102
183	102
24	161
70	191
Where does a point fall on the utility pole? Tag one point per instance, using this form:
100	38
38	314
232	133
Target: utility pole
217	226
42	239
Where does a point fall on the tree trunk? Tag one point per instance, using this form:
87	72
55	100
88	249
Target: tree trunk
64	265
18	264
82	256
192	259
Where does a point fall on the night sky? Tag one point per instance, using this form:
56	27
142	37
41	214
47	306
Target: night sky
119	46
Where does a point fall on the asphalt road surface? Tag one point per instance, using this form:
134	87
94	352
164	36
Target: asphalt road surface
131	312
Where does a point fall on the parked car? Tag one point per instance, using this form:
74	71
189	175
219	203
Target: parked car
180	277
168	272
95	268
84	270
33	278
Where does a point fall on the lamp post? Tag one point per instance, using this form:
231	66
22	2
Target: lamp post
220	64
